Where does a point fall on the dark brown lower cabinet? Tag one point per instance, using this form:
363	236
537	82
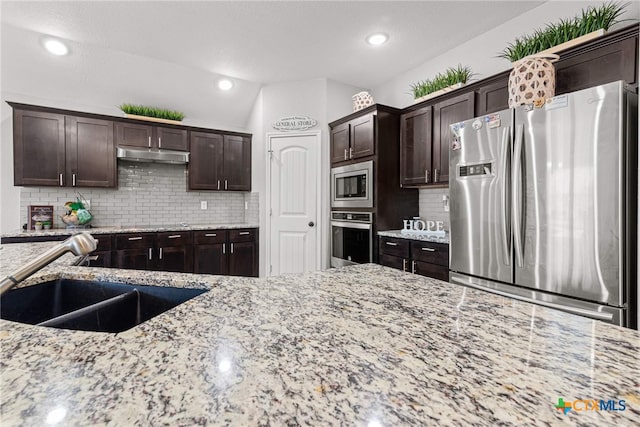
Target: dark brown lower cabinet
99	259
134	259
210	252
174	252
415	256
232	252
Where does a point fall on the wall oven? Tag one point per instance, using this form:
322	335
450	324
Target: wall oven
352	186
351	238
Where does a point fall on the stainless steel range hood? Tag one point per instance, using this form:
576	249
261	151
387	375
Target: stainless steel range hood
149	155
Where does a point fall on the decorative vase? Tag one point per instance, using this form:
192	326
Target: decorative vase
532	80
362	100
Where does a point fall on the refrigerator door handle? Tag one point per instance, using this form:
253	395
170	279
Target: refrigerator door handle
516	183
506	229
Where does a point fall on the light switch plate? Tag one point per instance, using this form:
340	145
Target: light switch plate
203	204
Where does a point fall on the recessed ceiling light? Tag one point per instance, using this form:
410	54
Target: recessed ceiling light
377	39
56	47
225	84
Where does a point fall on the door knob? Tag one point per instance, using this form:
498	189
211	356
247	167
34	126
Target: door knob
311	224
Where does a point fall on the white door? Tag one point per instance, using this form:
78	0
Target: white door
293	200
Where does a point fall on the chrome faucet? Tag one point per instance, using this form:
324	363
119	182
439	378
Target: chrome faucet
78	244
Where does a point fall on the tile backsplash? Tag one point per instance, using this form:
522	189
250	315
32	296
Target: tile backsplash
431	205
148	194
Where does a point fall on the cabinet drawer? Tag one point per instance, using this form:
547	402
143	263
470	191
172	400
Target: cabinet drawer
209	237
104	242
174	238
435	253
394	262
394	247
243	235
135	241
431	270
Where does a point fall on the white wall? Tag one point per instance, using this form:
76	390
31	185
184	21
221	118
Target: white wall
481	52
321	99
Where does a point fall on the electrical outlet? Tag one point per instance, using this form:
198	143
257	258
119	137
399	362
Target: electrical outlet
203	204
246	205
445	202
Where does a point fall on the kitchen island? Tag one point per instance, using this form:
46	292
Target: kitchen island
362	345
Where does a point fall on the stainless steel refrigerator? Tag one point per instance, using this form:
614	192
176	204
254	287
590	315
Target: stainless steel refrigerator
544	203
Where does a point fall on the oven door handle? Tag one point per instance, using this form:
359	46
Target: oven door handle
359	225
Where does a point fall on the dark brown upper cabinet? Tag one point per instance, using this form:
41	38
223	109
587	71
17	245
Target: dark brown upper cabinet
220	162
446	113
416	129
53	149
425	137
91	157
354	139
493	96
151	136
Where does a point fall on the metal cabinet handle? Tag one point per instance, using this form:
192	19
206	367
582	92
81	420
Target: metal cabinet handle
73	179
426	176
345	154
149	141
159	142
218	184
224	248
436	175
150	253
390	243
243	233
404	264
210	235
428	249
160	254
175	236
226	184
351	152
61	180
232	248
135	238
413	267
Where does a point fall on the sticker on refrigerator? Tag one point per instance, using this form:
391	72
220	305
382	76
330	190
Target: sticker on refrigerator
493	121
477	124
455	144
560	101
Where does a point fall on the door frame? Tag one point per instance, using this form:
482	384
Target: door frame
319	213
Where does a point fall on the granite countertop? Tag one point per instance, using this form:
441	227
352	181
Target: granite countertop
127	229
415	236
360	345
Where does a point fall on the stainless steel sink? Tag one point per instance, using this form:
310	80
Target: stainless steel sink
90	305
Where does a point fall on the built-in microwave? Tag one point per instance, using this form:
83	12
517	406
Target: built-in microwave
352	186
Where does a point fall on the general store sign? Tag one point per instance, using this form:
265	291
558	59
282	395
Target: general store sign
294	123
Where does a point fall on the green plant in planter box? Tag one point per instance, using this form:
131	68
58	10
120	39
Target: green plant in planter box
443	80
590	20
159	113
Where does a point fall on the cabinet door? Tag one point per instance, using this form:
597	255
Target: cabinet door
363	136
493	96
237	163
446	113
616	61
393	262
340	143
172	139
175	258
135	259
430	270
134	134
91	155
206	161
415	147
242	259
38	148
210	259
